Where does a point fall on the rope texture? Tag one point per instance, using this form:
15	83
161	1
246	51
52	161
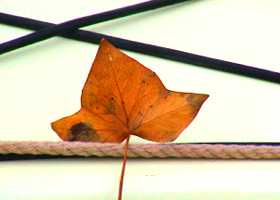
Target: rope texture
208	151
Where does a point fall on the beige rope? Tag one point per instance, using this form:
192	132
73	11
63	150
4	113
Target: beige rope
213	151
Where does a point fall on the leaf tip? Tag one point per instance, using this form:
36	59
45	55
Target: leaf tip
204	97
197	100
57	128
104	41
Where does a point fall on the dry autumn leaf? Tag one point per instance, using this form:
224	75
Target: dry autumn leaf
121	97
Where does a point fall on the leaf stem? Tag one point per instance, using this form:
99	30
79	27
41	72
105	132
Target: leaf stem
125	151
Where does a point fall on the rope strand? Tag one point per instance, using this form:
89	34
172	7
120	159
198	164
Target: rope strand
173	150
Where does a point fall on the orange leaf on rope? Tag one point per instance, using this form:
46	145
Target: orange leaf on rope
121	97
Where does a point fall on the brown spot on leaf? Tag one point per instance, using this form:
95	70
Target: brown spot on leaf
190	99
141	114
93	97
196	100
152	74
110	106
162	92
82	132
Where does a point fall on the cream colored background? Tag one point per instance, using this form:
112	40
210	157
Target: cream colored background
43	82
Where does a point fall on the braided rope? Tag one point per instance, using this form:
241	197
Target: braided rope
211	151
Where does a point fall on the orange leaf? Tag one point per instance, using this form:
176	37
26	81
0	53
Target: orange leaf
121	97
